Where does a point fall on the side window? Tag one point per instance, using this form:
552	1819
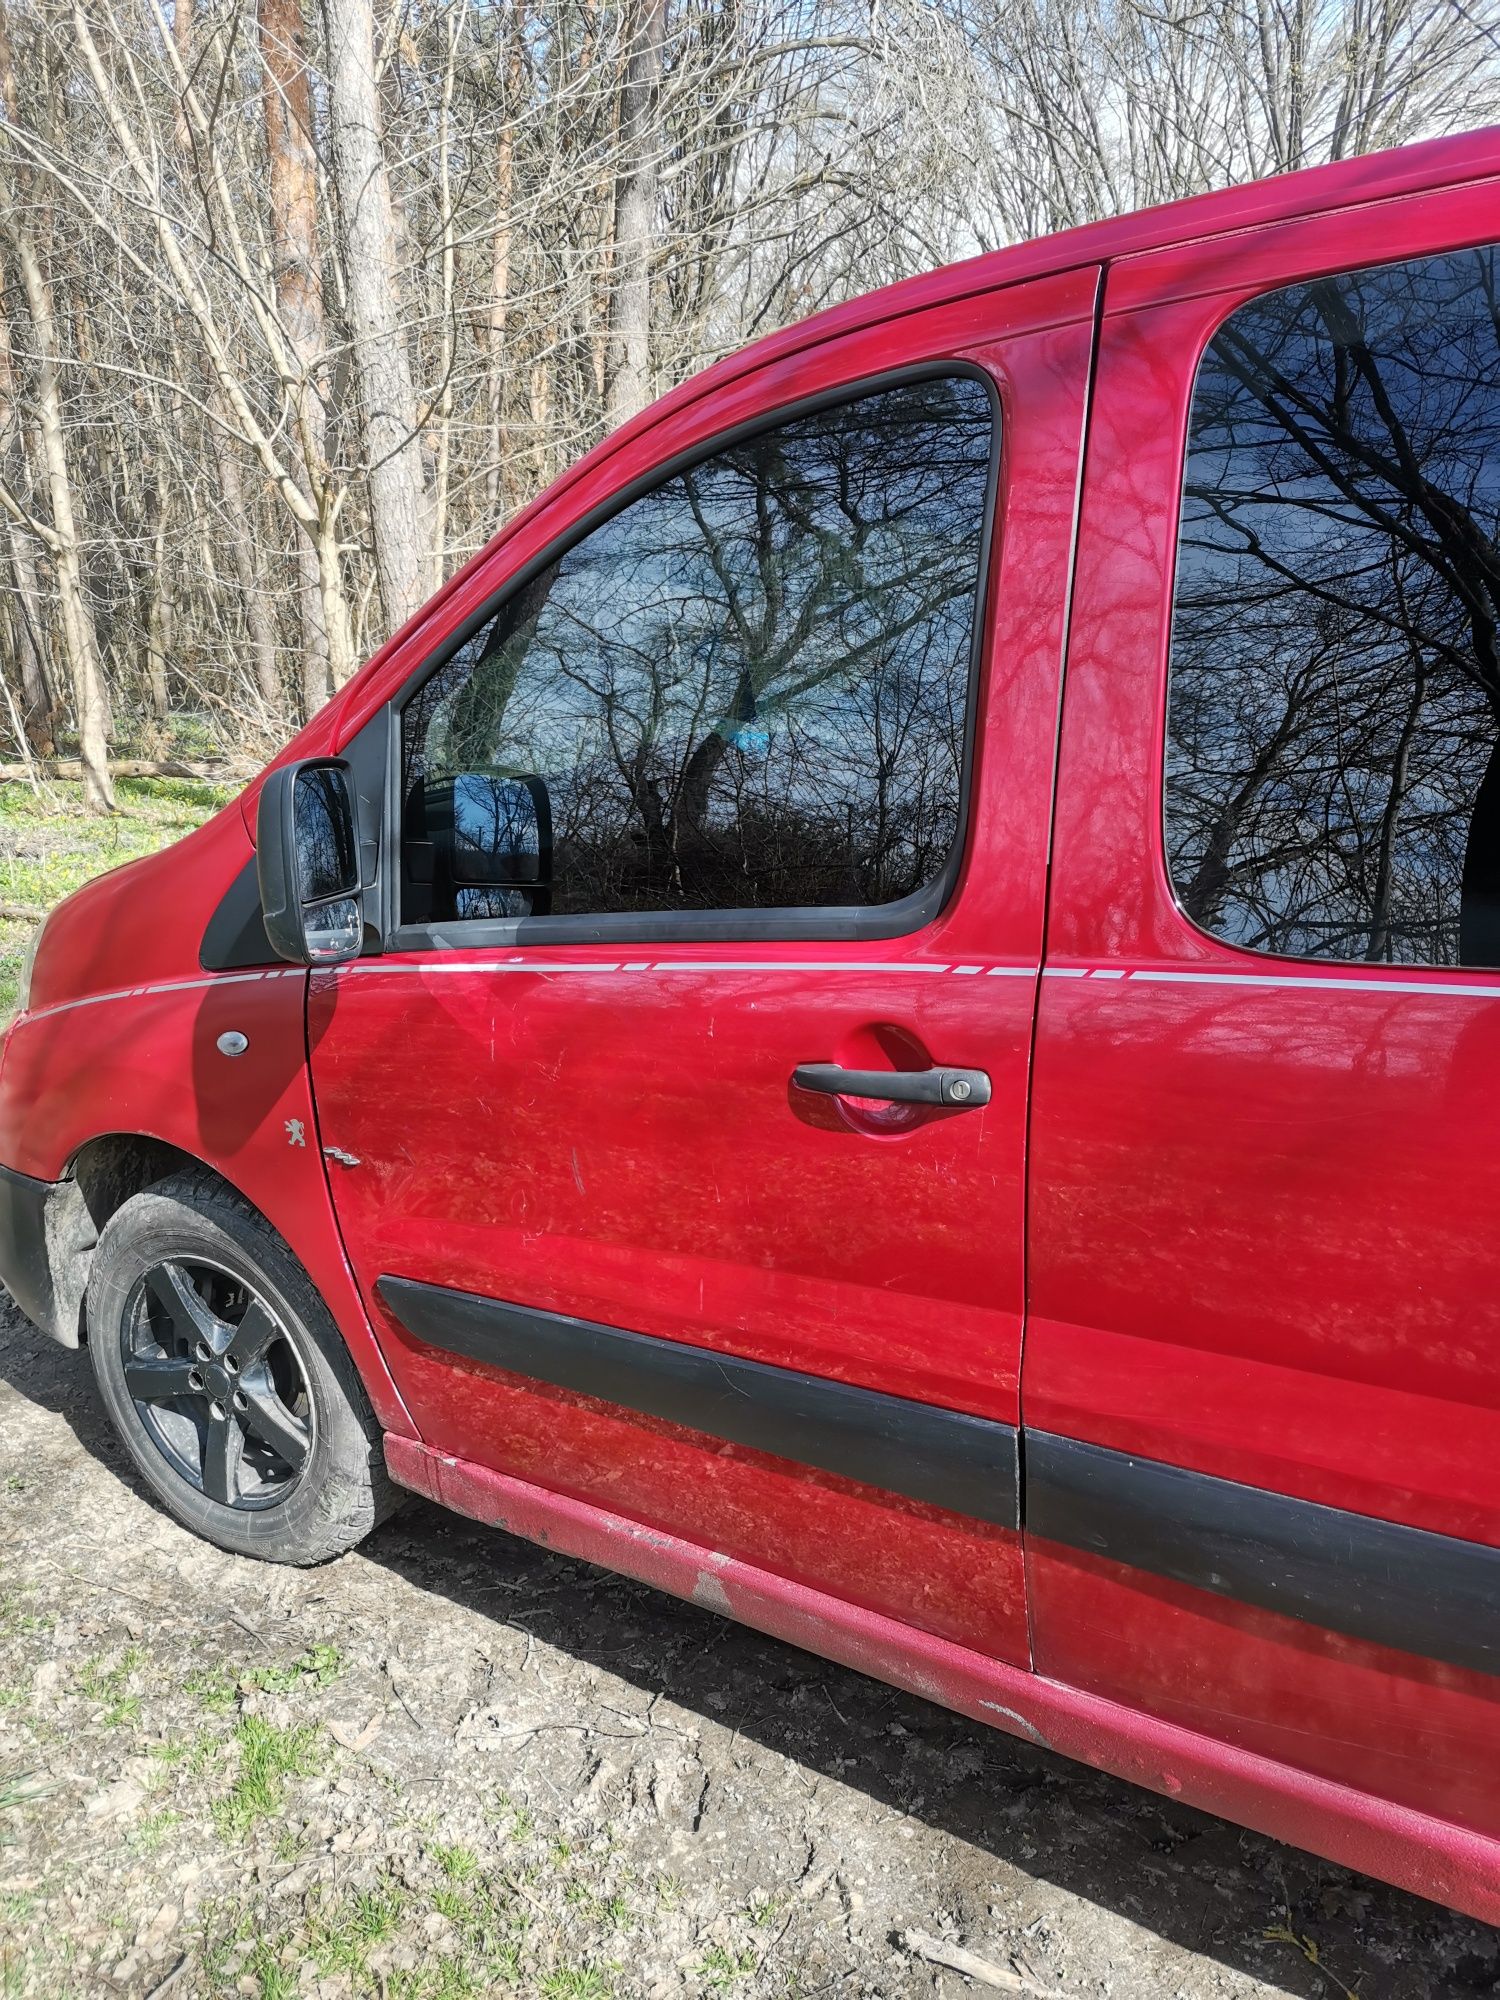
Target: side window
748	689
1333	783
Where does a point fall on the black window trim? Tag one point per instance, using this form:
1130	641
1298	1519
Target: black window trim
830	923
1261	955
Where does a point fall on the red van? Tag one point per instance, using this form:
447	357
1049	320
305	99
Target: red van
887	1015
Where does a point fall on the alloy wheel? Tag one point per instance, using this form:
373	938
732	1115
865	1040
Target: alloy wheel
217	1383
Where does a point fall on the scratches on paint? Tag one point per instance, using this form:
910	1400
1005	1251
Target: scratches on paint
710	1594
577	1174
648	1537
1012	1718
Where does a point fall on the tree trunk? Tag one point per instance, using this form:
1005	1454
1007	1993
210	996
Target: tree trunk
38	703
443	415
327	646
382	366
495	482
79	645
38	713
629	385
158	621
259	626
80	648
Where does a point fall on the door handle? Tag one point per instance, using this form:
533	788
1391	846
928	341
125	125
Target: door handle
958	1089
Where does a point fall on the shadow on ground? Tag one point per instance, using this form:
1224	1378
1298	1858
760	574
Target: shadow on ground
1199	1882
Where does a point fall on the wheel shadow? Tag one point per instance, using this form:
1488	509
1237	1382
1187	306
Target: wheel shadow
1194	1880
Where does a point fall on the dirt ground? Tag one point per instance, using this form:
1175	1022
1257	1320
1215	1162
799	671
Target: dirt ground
451	1764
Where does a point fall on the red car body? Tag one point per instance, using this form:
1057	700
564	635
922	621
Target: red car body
1202	1306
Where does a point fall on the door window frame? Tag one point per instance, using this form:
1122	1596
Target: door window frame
829	923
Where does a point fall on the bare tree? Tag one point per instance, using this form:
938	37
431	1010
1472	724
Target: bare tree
300	301
378	331
629	377
60	533
292	187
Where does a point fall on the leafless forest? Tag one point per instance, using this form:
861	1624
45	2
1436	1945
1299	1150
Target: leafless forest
300	303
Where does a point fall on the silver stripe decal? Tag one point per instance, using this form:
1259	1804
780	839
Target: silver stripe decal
163	986
1107	974
539	967
423	968
1277	982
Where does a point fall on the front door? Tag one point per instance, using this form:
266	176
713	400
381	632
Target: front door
1263	1363
743	773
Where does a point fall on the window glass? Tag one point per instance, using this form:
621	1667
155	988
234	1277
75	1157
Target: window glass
747	689
1333	786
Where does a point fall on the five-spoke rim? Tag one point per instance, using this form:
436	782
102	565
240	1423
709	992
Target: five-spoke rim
217	1382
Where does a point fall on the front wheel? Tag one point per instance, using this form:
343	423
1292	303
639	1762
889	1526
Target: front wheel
226	1378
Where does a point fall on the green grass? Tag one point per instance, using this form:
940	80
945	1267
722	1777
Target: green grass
49	846
212	1689
268	1757
342	1931
110	1686
459	1864
574	1982
315	1668
218	1689
193	1754
339	1932
274	1980
722	1967
15	1620
17	1790
150	1832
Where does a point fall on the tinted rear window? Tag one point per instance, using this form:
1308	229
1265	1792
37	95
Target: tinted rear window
1333	788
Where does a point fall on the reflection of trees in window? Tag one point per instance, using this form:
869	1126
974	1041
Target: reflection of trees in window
749	687
1333	785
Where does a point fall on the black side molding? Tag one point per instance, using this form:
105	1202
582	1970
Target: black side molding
1418	1592
966	1464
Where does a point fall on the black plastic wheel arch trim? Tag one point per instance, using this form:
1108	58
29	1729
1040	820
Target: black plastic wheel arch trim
947	1458
1417	1592
25	1259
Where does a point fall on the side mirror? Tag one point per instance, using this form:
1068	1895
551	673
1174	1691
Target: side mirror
307	863
492	837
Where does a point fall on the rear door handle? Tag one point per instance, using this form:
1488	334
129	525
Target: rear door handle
959	1089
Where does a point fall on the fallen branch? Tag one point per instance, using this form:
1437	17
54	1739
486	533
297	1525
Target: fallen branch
983	1971
164	1986
227	771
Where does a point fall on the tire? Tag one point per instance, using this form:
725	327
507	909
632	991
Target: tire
226	1378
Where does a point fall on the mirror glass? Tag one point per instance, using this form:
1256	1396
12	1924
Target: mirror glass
490	838
333	930
327	864
496	829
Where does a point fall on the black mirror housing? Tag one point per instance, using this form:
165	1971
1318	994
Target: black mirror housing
307	862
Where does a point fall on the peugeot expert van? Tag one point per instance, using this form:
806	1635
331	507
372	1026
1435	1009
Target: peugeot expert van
886	1014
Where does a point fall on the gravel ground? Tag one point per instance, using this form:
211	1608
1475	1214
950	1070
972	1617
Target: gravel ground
452	1764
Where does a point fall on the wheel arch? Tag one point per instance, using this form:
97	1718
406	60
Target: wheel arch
106	1169
99	1178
